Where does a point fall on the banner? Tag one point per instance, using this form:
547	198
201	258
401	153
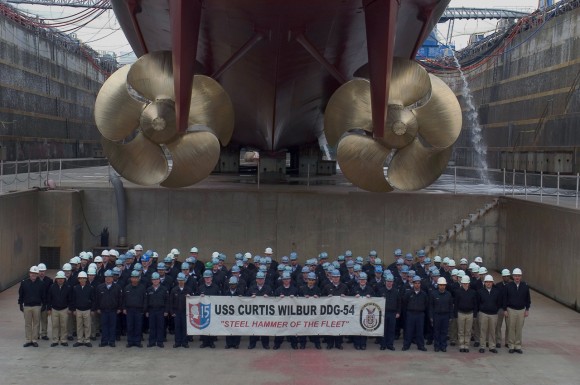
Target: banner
274	316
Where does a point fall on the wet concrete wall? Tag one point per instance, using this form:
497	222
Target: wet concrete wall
18	236
544	242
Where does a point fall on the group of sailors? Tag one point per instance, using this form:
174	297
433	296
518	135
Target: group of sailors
430	302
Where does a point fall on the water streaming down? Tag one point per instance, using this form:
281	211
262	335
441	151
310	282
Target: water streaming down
473	126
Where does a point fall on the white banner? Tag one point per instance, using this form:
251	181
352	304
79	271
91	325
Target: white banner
273	316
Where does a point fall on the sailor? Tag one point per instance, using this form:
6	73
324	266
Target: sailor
506	277
198	267
234	290
58	302
310	290
108	305
259	289
516	306
209	287
156	309
490	301
269	253
335	288
133	305
31	299
138	253
398	253
465	310
286	290
47	281
82	304
178	306
358	291
392	310
419	266
452	287
416	303
441	309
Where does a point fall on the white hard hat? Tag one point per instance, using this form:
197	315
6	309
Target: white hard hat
517	271
465	279
93	266
488	278
174	251
455	271
82	254
248	255
215	254
155	255
41	267
82	274
475	269
85	256
478	260
33	269
77	260
90	254
441	281
105	252
138	247
472	265
463	261
114	252
505	273
460	273
67	267
60	275
451	263
446	260
132	252
437	259
482	270
73	261
268	250
170	255
92	271
98	259
194	250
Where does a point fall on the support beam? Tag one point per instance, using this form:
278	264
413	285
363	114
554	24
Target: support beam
185	21
258	36
381	20
308	46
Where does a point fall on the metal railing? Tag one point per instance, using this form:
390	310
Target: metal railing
20	175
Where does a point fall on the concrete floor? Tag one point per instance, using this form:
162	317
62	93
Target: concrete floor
551	349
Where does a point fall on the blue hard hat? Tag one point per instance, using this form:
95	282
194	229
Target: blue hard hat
362	275
340	258
268	260
412	273
145	258
233	281
239	263
389	277
260	275
409	257
135	273
325	265
190	260
400	261
215	261
108	273
263	268
293	256
311	275
286	275
155	275
398	252
181	277
280	267
348	253
359	260
235	269
118	262
207	274
336	265
421	253
435	272
357	267
350	263
116	271
262	261
185	266
222	257
161	266
285	259
405	269
336	273
138	267
167	260
427	260
373	253
239	256
378	269
416	279
306	269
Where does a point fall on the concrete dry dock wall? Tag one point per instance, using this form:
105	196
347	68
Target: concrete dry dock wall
306	222
18	236
544	241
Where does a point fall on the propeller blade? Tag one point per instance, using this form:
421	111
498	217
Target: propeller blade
409	83
116	112
140	161
194	157
211	107
152	76
415	166
362	161
349	108
440	119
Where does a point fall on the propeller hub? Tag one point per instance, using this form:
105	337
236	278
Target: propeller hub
399	128
158	121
